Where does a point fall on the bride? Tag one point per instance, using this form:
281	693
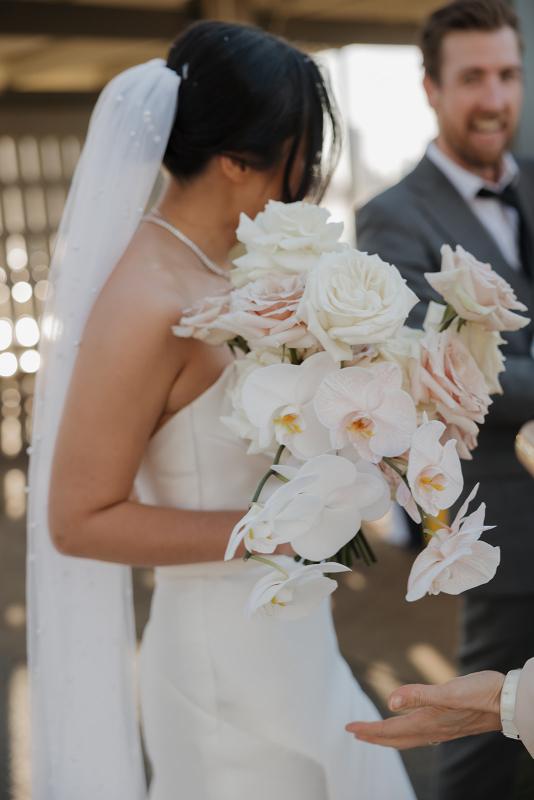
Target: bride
131	466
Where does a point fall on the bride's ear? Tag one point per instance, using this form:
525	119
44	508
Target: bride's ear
234	168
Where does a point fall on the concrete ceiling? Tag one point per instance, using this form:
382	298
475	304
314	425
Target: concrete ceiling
50	46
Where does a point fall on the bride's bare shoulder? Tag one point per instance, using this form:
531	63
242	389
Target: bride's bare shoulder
157	277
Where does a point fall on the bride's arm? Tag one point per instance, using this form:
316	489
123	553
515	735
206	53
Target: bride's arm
127	364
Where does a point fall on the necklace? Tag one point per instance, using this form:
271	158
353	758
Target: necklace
157	219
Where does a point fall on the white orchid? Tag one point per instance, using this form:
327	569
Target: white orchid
399	490
278	401
455	560
286	514
237	420
434	472
367	408
349	494
285	238
319	510
294	592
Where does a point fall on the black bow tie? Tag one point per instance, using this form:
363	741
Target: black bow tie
509	196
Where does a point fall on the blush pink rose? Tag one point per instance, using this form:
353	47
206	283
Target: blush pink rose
264	312
476	291
448	379
200	320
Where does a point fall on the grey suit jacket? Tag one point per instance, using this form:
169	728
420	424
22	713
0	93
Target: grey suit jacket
407	225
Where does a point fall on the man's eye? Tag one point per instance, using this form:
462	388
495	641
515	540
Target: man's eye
470	78
510	75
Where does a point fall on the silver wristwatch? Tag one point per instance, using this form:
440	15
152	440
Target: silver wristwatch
508	695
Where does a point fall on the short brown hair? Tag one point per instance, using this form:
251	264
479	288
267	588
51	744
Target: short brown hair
462	15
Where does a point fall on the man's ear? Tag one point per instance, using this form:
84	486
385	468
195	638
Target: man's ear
431	89
233	168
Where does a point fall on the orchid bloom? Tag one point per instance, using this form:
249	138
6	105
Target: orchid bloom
278	400
455	560
434	472
367	408
319	510
294	592
349	494
288	512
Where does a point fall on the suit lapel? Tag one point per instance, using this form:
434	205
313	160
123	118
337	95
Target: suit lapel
448	212
525	190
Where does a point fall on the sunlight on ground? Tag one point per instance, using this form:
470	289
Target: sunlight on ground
382	679
19	734
434	668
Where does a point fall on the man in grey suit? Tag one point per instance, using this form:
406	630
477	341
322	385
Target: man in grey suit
469	190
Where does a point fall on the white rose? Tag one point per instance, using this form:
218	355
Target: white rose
352	298
404	350
285	238
476	291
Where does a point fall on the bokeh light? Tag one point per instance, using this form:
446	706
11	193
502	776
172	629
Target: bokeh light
21	291
17	257
6	333
29	361
8	364
27	331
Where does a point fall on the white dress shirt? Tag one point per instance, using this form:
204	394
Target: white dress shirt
500	220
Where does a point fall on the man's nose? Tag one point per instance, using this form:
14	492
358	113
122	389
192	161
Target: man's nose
494	97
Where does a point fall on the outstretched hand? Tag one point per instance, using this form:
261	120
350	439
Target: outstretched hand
461	707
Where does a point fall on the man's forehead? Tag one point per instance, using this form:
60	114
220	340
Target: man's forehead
462	50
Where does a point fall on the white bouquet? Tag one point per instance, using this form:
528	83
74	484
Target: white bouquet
356	409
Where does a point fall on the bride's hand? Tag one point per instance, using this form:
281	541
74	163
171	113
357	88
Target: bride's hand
461	707
284	550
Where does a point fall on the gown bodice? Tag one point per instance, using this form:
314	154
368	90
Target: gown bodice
194	461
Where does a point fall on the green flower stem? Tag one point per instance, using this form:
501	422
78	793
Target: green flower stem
366	548
391	463
239	343
359	552
449	315
270	563
267	475
294	356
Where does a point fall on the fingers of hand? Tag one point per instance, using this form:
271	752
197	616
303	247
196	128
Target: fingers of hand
386	735
393	728
285	550
414	695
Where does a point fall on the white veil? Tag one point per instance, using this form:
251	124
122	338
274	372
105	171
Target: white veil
81	638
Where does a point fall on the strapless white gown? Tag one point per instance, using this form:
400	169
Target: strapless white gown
232	708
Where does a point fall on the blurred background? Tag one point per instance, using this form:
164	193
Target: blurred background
54	59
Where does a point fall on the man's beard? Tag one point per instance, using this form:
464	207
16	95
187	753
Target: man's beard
475	157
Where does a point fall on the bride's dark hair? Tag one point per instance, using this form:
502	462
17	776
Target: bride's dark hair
246	93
